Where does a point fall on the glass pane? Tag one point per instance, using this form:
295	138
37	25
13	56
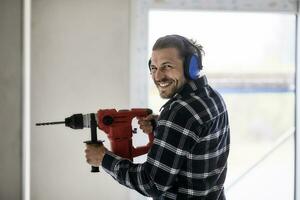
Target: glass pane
250	60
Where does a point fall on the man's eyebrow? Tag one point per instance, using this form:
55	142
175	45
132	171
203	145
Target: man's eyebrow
162	64
167	62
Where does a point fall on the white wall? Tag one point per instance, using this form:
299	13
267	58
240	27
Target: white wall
10	99
79	64
80	56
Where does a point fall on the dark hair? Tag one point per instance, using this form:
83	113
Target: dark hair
182	44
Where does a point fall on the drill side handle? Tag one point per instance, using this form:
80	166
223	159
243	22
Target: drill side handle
99	142
94	140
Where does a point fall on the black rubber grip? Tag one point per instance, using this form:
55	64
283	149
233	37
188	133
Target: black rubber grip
95	169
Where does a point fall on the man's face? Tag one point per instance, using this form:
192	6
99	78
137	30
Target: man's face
167	71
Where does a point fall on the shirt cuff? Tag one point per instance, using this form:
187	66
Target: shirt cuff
110	160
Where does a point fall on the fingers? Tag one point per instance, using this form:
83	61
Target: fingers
94	154
88	154
146	128
146	123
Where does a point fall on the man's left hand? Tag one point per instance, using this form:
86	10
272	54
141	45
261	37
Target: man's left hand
94	154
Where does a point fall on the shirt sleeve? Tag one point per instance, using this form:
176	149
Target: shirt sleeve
164	160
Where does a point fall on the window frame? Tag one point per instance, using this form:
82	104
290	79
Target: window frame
139	51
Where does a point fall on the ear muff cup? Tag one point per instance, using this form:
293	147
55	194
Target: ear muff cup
192	67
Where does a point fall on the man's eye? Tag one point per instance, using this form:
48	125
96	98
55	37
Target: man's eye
168	66
153	69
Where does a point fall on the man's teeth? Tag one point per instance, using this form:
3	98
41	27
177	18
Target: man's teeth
164	84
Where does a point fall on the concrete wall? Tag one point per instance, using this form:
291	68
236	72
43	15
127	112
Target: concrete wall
10	99
80	56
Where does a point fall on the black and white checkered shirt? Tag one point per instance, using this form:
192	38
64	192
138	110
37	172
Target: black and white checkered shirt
188	159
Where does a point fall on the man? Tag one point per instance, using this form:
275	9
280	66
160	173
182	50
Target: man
188	159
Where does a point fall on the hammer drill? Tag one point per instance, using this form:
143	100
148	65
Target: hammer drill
117	126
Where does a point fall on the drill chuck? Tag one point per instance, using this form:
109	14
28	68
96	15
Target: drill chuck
75	121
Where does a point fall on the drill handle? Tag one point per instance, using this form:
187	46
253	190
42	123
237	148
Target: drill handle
141	150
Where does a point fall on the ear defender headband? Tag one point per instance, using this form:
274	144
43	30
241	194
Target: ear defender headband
192	62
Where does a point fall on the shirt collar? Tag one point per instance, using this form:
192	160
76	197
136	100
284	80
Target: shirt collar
191	86
188	88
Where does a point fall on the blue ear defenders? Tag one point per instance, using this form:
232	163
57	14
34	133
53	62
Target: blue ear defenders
192	62
192	66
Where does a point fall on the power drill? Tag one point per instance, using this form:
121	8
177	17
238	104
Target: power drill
117	126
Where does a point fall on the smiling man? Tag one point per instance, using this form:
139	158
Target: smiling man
188	159
167	71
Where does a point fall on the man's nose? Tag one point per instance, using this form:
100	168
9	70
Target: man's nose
158	75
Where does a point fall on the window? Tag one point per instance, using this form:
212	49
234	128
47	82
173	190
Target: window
250	60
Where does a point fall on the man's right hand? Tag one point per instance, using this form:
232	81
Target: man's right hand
146	123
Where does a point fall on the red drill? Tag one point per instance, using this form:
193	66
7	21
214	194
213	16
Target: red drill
117	126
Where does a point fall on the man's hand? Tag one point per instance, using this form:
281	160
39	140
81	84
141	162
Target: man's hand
146	123
94	154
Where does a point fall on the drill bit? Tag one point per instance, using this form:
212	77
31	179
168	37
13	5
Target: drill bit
49	123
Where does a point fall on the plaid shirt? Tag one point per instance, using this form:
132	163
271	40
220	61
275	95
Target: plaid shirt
188	159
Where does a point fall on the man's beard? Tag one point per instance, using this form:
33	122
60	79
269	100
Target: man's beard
167	88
